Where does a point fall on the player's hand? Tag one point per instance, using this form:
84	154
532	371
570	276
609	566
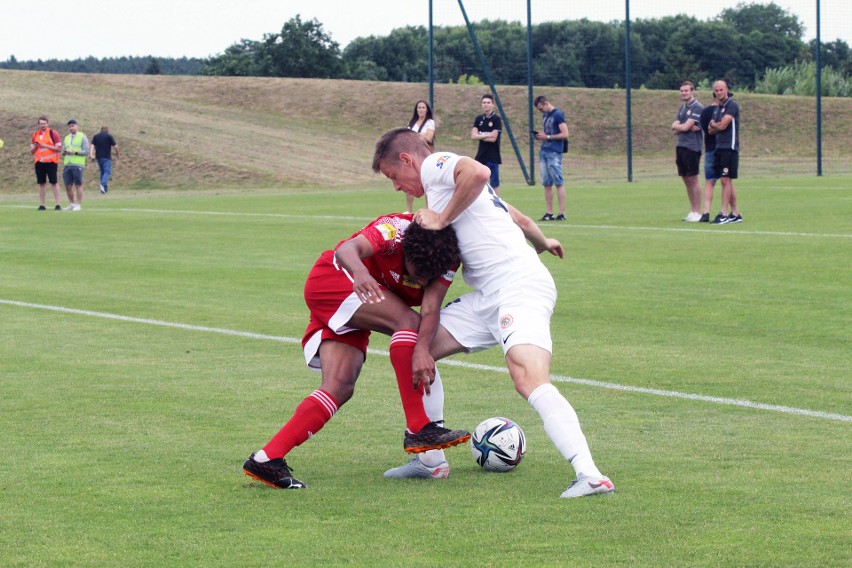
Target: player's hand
423	368
367	289
428	219
554	247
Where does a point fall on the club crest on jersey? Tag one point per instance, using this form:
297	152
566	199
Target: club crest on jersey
506	321
387	230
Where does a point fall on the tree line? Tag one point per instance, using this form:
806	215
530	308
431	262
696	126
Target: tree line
743	45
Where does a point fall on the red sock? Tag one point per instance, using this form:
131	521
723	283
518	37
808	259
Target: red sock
401	353
308	419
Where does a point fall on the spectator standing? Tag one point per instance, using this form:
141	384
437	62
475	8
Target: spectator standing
726	126
101	150
554	143
75	148
423	123
487	128
688	149
710	176
45	146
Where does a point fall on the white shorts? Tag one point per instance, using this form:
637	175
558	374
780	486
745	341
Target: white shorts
516	314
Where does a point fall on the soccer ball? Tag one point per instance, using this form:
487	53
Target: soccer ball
498	444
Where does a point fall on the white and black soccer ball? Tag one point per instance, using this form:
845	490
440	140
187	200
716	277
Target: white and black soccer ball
498	444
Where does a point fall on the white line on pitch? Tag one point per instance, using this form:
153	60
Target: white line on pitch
558	225
464	364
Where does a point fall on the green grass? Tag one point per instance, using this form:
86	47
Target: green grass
122	441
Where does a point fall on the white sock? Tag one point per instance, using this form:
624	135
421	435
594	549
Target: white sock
434	403
261	457
434	406
563	428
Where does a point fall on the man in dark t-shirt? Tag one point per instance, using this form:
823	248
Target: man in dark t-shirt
710	176
487	128
726	126
101	150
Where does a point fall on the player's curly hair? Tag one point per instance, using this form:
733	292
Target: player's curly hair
431	252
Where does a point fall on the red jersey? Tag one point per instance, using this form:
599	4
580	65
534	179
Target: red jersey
387	265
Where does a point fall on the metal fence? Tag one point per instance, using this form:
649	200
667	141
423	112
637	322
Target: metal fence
629	137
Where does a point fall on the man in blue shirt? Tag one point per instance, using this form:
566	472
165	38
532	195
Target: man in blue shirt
554	142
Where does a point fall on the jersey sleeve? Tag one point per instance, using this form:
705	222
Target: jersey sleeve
385	234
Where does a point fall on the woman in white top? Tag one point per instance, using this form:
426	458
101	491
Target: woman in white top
422	123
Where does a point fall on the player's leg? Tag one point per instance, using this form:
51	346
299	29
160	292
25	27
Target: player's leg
393	317
523	325
341	365
433	463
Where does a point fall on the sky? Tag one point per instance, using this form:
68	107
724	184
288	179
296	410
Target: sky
50	29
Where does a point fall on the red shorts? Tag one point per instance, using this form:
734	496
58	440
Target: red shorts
332	303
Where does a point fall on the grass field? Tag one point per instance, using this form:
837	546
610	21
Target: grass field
149	344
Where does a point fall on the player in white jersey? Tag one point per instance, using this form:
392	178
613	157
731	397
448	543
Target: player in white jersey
514	293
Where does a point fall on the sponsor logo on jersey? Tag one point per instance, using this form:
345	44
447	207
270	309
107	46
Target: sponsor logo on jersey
387	230
395	275
407	281
441	161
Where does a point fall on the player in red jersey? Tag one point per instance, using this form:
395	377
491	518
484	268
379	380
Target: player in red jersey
369	283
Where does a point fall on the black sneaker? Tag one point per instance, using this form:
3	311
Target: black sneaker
275	473
42	208
560	217
433	437
705	218
547	217
58	208
735	218
720	219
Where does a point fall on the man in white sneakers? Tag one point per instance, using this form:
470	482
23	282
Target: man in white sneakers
514	294
687	128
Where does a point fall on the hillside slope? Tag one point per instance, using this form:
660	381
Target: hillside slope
194	132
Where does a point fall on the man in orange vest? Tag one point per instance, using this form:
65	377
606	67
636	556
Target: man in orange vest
45	147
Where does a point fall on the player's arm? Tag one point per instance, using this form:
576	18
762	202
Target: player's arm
349	255
534	234
470	177
423	364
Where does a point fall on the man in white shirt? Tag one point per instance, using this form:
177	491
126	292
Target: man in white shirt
514	292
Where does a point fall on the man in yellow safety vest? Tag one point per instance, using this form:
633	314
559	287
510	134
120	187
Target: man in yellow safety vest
74	149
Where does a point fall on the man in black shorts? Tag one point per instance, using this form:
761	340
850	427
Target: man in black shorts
46	146
726	126
688	151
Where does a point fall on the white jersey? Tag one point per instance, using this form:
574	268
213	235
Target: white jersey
494	251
